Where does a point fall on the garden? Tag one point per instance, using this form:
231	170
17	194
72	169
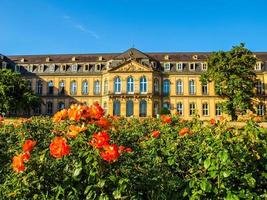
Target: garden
81	154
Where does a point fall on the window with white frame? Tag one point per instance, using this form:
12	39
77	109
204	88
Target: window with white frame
74	67
61	89
179	87
179	66
50	88
156	85
192	66
180	108
85	87
73	87
192	109
167	66
260	110
258	66
192	87
166	87
130	85
205	88
218	109
52	68
259	87
39	87
205	109
97	87
117	85
98	67
143	84
204	66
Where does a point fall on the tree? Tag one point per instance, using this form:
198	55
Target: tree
233	75
15	93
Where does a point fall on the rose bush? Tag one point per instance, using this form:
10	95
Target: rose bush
80	154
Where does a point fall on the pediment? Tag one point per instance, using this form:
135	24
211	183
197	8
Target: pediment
131	66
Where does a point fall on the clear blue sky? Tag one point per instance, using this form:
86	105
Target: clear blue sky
87	26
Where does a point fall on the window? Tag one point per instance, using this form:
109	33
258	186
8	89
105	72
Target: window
166	105
156	108
39	87
167	66
204	66
218	109
129	108
61	105
105	107
73	88
259	87
180	108
205	109
192	87
258	66
192	109
156	85
117	85
61	89
205	88
50	88
130	85
166	87
192	67
37	109
105	86
143	108
96	87
49	108
116	108
98	67
143	84
260	109
179	87
85	87
179	66
52	68
74	67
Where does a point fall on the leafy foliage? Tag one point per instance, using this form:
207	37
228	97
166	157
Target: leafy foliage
209	161
15	93
232	72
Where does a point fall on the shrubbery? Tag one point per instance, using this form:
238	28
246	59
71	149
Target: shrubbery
83	155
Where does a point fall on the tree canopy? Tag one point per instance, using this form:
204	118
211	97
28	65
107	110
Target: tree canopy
15	93
233	75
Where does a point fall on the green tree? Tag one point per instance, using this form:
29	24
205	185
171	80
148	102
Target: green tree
233	75
15	93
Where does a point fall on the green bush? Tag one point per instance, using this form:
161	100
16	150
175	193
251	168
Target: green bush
207	162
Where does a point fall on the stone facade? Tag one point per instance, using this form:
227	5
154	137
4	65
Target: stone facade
132	83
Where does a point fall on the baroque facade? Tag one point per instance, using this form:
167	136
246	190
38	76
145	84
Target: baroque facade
131	83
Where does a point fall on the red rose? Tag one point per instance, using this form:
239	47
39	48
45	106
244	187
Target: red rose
110	153
166	119
28	145
155	134
59	147
99	139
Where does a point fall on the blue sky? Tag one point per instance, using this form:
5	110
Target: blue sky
88	26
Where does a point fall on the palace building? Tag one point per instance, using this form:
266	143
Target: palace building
131	83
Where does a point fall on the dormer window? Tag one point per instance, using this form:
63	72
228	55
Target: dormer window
47	59
86	67
179	66
22	60
100	58
258	66
192	66
98	67
74	67
52	68
167	66
166	57
204	66
73	58
195	57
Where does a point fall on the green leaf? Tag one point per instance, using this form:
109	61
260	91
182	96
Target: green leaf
205	185
231	196
77	172
207	163
226	173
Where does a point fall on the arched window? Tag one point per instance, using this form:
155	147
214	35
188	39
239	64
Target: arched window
192	87
143	84
179	87
61	105
49	108
39	87
205	89
117	85
50	88
96	87
85	87
130	85
180	108
116	108
166	87
105	86
129	108
143	108
61	89
156	85
73	88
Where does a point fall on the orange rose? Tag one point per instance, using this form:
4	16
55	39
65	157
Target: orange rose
75	112
166	119
60	115
59	147
212	121
74	130
110	153
28	145
99	139
103	123
26	156
184	131
18	163
96	111
155	134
